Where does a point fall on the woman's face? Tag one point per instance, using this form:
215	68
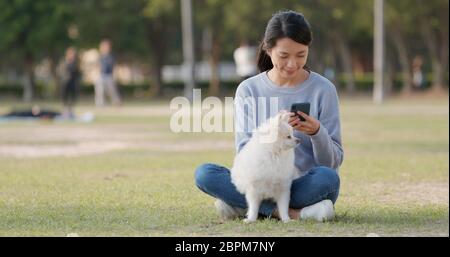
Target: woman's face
288	57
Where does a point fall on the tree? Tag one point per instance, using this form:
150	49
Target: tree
141	30
339	25
399	27
32	30
209	15
162	25
433	26
227	22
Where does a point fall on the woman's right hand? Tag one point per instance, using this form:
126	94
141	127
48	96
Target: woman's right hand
310	126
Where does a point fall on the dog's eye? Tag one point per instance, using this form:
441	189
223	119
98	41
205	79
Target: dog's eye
289	137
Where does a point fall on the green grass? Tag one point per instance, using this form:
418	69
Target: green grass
394	180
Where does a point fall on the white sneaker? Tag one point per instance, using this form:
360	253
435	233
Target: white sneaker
227	212
321	211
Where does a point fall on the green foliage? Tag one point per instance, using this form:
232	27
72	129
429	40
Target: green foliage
119	21
33	28
157	8
149	31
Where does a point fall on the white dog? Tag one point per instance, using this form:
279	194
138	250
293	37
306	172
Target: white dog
264	168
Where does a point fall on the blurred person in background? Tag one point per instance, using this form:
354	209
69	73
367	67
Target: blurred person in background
106	82
245	59
70	74
417	72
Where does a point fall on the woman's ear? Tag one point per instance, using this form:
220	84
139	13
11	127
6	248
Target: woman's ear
269	52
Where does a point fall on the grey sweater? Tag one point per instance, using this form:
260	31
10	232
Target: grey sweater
258	99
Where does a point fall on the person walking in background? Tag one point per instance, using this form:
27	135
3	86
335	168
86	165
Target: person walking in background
417	72
245	59
70	74
106	81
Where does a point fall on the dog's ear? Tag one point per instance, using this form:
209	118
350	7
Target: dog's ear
283	127
283	113
284	117
279	118
276	121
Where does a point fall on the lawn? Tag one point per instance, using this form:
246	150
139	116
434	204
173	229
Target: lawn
126	174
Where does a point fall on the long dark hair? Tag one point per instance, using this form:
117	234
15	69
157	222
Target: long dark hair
283	24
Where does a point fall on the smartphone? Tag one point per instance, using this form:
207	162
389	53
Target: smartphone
302	107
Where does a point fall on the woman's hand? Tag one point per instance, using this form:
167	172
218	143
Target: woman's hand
310	126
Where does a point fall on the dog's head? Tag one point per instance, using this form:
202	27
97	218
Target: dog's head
279	132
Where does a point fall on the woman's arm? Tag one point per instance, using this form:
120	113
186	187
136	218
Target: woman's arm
327	142
243	117
325	133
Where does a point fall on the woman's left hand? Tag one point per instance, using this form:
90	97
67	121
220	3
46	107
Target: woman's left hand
310	126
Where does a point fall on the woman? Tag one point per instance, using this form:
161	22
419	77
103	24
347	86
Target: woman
284	75
70	79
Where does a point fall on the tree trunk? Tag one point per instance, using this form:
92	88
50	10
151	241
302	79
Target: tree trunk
346	59
404	60
389	79
158	42
438	75
214	58
55	77
157	84
432	46
330	62
29	83
444	56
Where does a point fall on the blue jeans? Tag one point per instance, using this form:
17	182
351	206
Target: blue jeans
318	184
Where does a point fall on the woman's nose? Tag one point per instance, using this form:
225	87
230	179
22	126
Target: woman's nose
291	64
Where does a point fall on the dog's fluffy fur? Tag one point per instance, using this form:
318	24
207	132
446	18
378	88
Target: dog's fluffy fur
264	168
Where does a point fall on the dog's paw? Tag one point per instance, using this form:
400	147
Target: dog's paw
286	220
248	221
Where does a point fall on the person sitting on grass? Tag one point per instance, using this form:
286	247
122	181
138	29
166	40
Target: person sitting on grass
284	75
